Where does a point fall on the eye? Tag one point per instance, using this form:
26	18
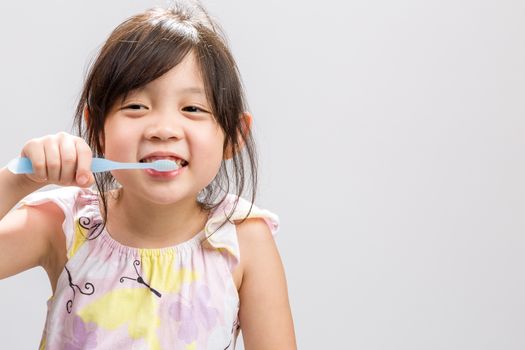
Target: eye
194	109
135	107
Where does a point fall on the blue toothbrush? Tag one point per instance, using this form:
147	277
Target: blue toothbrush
23	165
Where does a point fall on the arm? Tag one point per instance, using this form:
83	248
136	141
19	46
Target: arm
13	188
26	233
265	315
32	236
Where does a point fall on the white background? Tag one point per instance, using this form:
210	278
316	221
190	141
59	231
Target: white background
392	144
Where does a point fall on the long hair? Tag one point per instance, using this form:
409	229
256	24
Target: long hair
143	48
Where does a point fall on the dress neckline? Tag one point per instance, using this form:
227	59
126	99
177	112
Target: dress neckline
189	244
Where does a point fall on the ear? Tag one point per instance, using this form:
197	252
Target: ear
86	115
246	126
86	120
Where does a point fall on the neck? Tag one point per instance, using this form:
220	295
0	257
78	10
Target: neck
138	223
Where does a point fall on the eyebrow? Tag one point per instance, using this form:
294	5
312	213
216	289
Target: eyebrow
191	90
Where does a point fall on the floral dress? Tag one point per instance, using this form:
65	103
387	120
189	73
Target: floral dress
111	296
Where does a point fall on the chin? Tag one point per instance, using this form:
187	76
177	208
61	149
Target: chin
167	197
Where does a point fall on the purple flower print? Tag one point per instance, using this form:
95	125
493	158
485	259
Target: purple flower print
81	337
194	314
188	330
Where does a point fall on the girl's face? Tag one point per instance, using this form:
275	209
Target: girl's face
169	117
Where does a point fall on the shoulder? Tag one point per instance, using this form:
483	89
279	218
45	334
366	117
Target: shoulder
51	212
236	226
257	246
49	208
29	236
254	230
49	218
263	310
256	240
265	315
236	220
43	220
237	209
64	198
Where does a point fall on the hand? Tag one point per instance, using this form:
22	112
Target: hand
60	159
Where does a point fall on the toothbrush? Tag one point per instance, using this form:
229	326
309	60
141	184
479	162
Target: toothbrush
23	165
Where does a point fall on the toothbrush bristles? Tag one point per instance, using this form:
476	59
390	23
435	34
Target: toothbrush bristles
164	165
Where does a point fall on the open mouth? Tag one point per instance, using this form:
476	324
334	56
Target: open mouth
180	162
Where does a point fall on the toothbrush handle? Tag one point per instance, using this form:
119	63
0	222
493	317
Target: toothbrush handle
20	165
23	165
99	165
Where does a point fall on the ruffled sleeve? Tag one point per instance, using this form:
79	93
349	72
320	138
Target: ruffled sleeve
65	198
225	237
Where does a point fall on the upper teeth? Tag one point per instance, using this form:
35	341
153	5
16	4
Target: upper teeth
180	162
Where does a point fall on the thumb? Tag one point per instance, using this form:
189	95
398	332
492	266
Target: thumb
91	180
82	182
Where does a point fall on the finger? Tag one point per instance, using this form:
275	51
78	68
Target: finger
68	156
35	152
84	176
53	160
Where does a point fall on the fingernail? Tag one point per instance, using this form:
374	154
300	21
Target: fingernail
82	179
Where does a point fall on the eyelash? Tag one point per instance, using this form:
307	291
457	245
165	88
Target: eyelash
194	109
134	105
191	109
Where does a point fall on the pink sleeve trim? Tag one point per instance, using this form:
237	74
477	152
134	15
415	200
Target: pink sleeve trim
225	238
64	198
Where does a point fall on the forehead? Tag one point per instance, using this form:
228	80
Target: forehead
187	72
185	77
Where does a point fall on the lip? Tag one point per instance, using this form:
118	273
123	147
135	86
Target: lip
163	154
164	175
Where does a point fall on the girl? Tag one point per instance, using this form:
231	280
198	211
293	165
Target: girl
151	260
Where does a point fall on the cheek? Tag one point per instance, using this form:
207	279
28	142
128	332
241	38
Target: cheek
117	141
206	149
210	144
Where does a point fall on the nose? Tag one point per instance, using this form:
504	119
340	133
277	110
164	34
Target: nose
164	126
